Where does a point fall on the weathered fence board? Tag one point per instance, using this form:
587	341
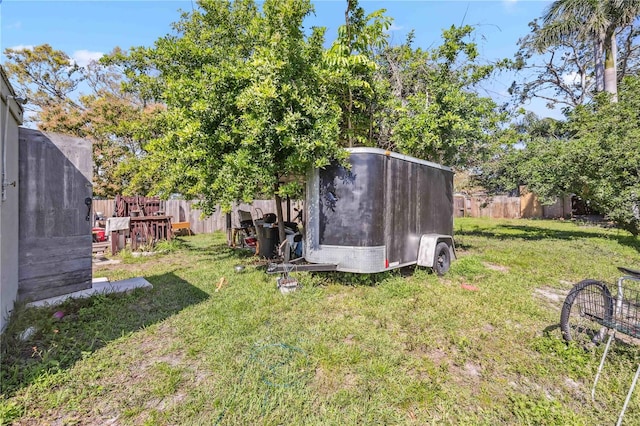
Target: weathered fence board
495	207
43	269
106	207
72	248
51	285
526	206
562	208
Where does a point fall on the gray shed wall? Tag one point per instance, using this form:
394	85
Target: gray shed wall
55	237
11	118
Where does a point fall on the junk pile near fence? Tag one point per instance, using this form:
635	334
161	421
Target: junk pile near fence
137	221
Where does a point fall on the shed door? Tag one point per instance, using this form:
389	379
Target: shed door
55	233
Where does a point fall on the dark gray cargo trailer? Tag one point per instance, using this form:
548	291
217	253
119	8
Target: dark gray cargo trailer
389	210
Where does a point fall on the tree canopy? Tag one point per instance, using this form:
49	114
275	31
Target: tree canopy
116	122
579	48
593	155
432	110
253	97
595	21
247	101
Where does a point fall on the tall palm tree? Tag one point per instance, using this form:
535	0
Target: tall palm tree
595	20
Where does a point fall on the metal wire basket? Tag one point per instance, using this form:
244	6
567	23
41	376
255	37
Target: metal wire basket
626	318
590	311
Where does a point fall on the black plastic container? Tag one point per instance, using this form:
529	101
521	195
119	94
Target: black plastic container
267	239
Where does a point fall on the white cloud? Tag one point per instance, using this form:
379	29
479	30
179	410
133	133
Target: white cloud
395	27
15	26
83	57
22	47
571	78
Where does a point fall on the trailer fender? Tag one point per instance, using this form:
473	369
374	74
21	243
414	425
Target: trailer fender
427	248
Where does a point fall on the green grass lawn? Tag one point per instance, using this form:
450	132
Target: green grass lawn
400	348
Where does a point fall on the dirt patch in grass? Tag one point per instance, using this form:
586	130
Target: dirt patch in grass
120	266
472	370
495	267
466	373
328	383
551	294
552	297
438	356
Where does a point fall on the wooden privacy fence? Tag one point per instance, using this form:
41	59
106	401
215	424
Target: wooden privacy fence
497	207
186	211
527	206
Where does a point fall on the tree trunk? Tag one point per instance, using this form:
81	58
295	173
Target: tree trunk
610	72
350	101
281	233
598	53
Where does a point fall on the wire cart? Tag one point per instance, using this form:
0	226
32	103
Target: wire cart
590	312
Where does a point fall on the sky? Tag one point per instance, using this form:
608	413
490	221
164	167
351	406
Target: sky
87	29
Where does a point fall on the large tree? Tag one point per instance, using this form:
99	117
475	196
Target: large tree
247	102
352	59
605	153
433	109
44	76
593	155
561	76
86	102
596	21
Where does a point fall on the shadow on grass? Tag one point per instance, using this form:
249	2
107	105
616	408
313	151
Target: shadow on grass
353	279
86	325
220	251
535	233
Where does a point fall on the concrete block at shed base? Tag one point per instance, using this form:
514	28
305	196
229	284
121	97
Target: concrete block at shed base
99	286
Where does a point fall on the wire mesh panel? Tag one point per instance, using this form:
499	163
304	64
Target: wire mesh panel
594	304
586	310
627	316
626	320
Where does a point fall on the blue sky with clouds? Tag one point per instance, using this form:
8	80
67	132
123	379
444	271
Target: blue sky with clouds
87	29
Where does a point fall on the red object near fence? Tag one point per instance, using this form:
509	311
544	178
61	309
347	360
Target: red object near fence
98	235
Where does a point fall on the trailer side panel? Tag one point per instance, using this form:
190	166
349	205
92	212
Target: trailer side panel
418	200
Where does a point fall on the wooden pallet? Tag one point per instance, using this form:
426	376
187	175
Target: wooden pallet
100	247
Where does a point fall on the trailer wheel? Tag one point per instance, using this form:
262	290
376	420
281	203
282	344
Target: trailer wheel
442	259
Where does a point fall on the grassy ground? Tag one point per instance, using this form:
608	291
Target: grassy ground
478	346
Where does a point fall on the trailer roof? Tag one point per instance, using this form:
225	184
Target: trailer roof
365	150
